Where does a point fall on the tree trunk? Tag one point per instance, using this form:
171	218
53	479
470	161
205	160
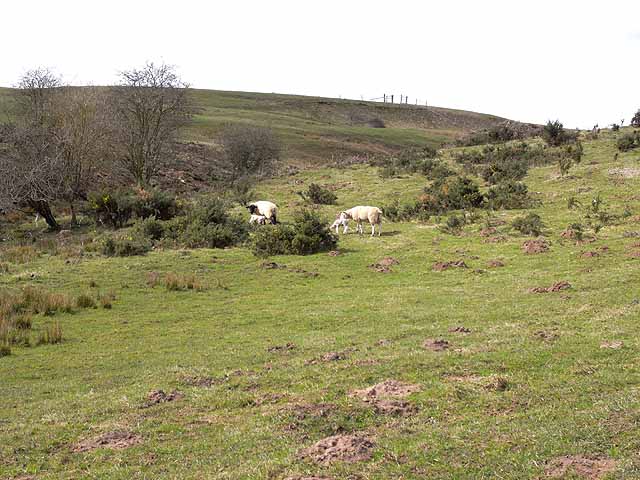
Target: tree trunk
74	220
42	207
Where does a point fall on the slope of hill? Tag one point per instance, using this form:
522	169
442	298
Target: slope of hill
314	129
522	365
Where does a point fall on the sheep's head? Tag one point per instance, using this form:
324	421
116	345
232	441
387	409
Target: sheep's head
252	209
344	216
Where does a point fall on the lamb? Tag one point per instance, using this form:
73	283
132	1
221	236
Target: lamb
259	219
267	209
340	221
362	213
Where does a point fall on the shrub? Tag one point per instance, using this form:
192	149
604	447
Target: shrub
319	195
508	196
201	235
412	160
272	240
626	142
530	224
501	170
554	134
408	211
308	234
112	208
125	247
452	193
248	151
155	203
149	228
615	127
564	164
635	121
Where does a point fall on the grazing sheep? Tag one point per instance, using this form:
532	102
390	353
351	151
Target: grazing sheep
259	219
262	207
372	214
340	221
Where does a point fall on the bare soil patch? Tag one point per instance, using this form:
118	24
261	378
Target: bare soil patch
116	440
328	357
159	396
287	347
436	344
442	266
387	389
197	381
334	253
535	246
615	345
590	254
384	265
546	335
487	232
279	266
591	468
495	264
313	477
495	239
340	448
459	329
556	287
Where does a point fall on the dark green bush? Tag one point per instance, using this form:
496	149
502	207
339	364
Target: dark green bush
155	203
149	228
112	208
412	160
626	142
507	195
451	193
530	224
124	247
307	235
635	121
319	195
554	134
505	170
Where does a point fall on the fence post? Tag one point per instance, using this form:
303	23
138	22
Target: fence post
392	98
384	98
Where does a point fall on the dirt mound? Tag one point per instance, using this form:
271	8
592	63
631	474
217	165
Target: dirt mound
436	345
340	448
298	477
278	266
590	254
569	233
495	239
591	468
197	381
333	253
495	264
535	246
384	265
115	440
487	232
556	287
634	254
546	336
287	347
400	408
328	357
613	345
459	329
159	396
387	389
442	266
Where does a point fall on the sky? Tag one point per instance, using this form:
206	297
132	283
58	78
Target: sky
576	61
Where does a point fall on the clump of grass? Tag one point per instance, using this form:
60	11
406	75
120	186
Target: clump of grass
5	350
85	300
106	300
177	282
4	267
93	284
20	254
51	334
153	278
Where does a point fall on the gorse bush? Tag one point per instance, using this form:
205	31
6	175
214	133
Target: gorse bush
505	170
114	209
307	235
412	160
452	193
319	195
125	247
554	134
530	224
507	195
627	142
635	121
155	203
149	228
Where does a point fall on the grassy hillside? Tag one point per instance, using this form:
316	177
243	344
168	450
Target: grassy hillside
268	359
316	129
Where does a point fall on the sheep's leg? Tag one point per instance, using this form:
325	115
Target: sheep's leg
373	229
380	229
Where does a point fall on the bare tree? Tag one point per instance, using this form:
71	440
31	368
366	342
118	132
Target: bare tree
83	133
248	152
152	104
30	172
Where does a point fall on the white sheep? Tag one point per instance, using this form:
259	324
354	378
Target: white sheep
340	221
259	219
361	213
262	207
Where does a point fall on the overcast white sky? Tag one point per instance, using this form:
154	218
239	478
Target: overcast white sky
578	61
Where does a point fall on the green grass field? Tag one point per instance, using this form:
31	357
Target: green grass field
537	377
